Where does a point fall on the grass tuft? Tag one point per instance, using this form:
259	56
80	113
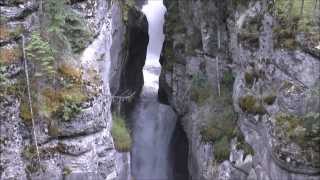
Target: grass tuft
251	105
121	134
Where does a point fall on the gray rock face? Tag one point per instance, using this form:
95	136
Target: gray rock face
81	148
128	51
11	164
206	37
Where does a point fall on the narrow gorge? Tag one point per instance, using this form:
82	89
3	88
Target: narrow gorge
159	89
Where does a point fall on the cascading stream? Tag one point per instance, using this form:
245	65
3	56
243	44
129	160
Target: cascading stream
153	122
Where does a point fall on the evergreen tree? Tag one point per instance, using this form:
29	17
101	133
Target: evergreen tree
39	51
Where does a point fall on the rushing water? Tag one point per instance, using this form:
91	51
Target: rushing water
153	122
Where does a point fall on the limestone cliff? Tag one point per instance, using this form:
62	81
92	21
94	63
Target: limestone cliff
68	48
244	91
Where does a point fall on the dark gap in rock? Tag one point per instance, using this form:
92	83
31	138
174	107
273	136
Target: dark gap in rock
179	148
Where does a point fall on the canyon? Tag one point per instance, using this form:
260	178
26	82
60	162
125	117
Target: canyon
160	89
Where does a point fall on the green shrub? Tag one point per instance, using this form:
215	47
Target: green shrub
211	133
222	149
251	77
40	52
55	10
76	31
228	80
304	130
29	152
200	90
220	124
270	99
242	144
251	105
69	110
121	134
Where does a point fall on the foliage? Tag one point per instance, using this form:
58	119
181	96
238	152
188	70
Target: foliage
25	113
66	171
250	104
128	4
55	10
65	102
251	77
40	51
270	99
10	55
300	129
7	33
227	80
303	131
221	126
200	89
291	20
121	134
72	73
222	149
69	110
76	31
250	32
29	152
242	144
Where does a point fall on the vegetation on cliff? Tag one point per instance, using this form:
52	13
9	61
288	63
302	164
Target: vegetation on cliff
120	133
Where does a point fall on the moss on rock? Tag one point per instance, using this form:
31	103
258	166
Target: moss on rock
121	134
251	104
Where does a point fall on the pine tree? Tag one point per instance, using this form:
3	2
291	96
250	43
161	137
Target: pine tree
39	51
56	12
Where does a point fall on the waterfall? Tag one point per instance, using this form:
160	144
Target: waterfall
153	122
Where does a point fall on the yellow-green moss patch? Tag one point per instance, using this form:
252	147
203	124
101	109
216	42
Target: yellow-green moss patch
121	134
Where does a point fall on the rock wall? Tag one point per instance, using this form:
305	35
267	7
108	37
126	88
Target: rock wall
79	146
210	43
128	53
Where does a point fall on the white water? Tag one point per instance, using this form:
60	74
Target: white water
153	123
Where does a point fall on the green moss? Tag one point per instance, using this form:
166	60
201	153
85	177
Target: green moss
251	105
121	134
309	125
63	103
53	130
25	113
222	149
69	110
200	90
126	6
66	171
251	77
8	33
228	79
76	31
10	55
242	144
269	99
220	123
33	168
29	152
41	54
3	20
291	22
